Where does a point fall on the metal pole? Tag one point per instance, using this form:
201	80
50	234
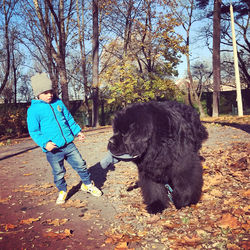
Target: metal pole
236	66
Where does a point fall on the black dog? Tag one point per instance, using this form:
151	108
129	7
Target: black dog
164	138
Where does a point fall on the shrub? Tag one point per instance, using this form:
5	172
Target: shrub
13	120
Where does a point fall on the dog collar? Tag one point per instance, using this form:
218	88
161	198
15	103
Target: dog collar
125	156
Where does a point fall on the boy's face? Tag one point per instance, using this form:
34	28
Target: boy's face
46	96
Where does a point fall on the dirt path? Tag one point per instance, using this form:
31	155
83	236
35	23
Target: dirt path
30	219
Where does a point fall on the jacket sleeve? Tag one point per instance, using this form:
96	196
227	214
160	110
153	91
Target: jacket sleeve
34	129
75	128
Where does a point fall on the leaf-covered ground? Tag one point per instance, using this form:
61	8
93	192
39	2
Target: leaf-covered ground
30	219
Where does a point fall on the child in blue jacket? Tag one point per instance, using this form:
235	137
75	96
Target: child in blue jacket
53	128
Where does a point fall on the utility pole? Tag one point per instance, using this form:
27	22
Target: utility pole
236	66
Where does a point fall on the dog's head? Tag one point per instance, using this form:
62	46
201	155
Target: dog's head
132	131
152	127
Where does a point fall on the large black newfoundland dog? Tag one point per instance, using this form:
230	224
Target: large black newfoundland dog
164	139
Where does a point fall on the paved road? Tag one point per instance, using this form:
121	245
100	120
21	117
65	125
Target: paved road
27	192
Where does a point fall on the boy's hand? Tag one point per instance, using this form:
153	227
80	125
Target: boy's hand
81	136
50	146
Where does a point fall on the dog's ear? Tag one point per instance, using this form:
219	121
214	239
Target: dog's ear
137	138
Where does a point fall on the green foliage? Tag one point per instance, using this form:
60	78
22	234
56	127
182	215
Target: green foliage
126	85
13	120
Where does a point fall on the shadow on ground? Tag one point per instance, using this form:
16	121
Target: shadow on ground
243	127
18	153
98	175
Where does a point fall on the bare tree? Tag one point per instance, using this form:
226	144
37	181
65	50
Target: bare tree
83	57
216	51
24	90
185	14
202	73
51	24
120	21
59	55
7	8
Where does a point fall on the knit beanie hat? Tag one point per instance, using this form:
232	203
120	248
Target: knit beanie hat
40	83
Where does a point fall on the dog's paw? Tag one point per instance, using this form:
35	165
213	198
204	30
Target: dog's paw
132	187
155	207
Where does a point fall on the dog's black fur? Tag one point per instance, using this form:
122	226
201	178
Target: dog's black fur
165	137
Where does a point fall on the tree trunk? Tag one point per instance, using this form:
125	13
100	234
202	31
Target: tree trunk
190	89
128	25
81	34
14	74
95	59
64	87
55	54
216	57
7	47
191	85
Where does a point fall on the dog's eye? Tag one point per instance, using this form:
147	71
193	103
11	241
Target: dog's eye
123	133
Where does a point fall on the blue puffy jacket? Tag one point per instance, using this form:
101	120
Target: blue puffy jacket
51	122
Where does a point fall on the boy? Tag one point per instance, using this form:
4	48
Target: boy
53	128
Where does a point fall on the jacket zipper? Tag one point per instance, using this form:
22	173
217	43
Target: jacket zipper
58	122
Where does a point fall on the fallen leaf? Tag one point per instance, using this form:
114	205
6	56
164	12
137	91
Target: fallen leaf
142	234
169	225
28	174
9	226
153	219
109	240
228	221
216	193
206	197
246	227
242	163
232	246
4	200
214	180
238	212
121	215
245	244
75	203
57	222
121	245
246	193
117	238
205	167
64	235
194	241
185	241
90	214
68	232
230	201
29	221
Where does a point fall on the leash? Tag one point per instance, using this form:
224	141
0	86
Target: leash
170	190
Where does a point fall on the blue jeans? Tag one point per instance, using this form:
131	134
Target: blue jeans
113	159
108	160
71	154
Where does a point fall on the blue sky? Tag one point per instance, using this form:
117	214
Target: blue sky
198	49
197	54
